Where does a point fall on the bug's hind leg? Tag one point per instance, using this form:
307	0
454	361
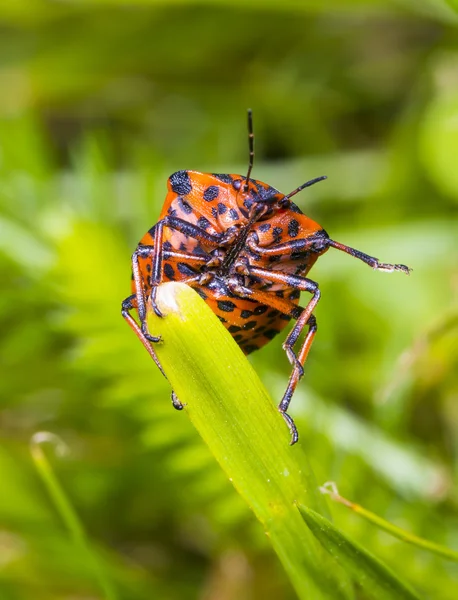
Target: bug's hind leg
297	360
127	305
304	318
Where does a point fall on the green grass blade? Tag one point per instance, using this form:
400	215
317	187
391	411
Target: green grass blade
233	413
65	509
393	530
377	580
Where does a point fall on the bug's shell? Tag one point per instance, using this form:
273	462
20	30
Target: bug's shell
216	202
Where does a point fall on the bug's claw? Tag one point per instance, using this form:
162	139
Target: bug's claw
149	337
155	307
388	268
175	402
404	268
292	427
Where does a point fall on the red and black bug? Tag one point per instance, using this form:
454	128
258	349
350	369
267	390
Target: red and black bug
247	249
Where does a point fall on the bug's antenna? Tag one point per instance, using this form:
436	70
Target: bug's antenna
304	185
250	147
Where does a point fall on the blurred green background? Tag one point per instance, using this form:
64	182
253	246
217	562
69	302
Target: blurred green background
99	103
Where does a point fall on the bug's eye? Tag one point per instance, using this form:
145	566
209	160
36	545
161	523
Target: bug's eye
237	184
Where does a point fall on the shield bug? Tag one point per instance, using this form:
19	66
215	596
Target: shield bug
247	249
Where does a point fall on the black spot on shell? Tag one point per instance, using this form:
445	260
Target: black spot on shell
222	319
279	293
184	206
294	294
264	227
203	223
257	257
277	231
245	314
222	208
180	183
223	177
211	193
248	349
274	258
296	312
234	329
270	334
226	305
238	337
273	314
148	267
248	204
295	209
214	212
285	317
171	212
167	245
199	250
185	269
234	214
201	293
260	310
152	231
250	325
168	271
293	228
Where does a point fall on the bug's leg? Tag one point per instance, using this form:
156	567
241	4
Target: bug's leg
270	299
127	305
175	402
188	229
298	360
140	296
304	318
369	260
318	242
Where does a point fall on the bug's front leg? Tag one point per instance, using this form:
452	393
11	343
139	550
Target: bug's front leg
188	229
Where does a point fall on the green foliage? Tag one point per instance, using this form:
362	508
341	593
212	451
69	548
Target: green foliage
100	103
233	413
372	575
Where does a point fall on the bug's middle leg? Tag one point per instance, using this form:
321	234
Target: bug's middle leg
142	299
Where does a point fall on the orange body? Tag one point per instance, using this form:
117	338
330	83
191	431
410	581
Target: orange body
213	203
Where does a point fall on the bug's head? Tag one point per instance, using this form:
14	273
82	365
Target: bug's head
263	200
266	204
258	199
